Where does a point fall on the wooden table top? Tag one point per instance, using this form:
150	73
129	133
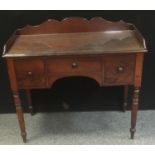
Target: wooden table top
76	43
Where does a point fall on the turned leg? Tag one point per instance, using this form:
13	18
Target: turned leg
134	109
28	92
17	101
20	116
125	97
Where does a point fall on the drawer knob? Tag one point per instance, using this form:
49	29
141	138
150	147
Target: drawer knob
120	69
29	73
74	65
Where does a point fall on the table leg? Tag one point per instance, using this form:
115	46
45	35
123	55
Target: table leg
134	109
20	116
17	101
125	97
28	92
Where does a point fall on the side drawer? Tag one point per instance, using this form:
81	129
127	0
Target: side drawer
30	72
119	69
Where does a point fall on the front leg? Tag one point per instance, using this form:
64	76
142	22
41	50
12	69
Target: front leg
134	110
17	101
20	116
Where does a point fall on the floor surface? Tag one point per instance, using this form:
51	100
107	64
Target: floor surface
79	128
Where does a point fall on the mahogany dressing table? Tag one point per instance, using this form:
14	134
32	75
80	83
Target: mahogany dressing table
109	52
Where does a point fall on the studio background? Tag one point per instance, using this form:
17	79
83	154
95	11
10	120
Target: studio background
78	94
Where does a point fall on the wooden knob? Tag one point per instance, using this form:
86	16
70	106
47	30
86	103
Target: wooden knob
29	73
74	65
120	69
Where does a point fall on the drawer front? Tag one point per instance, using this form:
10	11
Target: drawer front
30	73
119	69
61	67
73	65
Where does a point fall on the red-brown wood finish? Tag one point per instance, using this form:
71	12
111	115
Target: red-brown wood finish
75	24
86	66
137	85
30	73
17	101
108	68
119	69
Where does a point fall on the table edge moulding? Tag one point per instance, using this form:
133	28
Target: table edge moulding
109	52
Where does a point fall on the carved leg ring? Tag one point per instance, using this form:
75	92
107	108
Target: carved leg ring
134	111
20	116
